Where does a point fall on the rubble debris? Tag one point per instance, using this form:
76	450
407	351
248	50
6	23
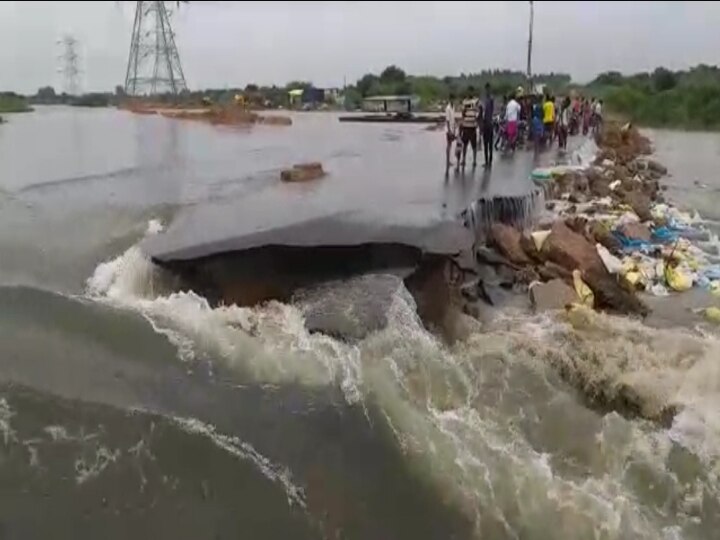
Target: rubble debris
611	231
570	250
507	241
554	294
635	231
302	172
640	203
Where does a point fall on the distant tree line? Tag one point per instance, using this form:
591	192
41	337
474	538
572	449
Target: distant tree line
433	90
689	98
664	98
47	96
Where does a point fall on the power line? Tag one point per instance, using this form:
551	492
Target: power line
154	62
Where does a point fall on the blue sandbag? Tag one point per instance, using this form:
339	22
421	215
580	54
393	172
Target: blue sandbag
631	244
664	235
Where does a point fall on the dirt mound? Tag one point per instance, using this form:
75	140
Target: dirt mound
624	141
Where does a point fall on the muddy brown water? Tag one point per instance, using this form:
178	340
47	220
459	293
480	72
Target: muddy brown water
129	409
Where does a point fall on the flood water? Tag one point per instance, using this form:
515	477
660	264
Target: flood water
131	410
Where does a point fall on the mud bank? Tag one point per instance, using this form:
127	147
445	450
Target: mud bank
216	115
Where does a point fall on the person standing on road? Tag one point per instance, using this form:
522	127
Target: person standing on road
469	125
564	123
512	116
597	116
586	116
488	133
450	130
549	118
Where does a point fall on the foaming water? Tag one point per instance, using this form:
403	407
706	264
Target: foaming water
243	450
499	422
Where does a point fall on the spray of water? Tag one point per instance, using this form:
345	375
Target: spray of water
491	421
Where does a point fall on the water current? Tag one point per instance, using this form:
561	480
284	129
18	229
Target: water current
129	409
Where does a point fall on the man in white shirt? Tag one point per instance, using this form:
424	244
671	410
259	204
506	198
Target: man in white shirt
450	129
512	115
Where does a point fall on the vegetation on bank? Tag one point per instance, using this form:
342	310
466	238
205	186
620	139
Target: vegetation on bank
433	90
678	99
663	98
11	102
47	96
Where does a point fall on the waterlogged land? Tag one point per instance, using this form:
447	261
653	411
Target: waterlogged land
138	409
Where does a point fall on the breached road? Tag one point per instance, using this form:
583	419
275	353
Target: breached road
385	205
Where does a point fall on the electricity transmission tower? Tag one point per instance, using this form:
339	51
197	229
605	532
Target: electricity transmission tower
154	63
69	59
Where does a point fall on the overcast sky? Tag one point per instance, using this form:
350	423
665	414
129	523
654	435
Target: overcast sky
231	44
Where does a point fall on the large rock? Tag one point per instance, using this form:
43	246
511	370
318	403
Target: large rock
598	184
656	167
640	204
609	294
602	235
507	241
570	249
635	231
651	188
550	270
573	251
555	294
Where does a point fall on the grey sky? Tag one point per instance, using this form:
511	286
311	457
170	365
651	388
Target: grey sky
232	44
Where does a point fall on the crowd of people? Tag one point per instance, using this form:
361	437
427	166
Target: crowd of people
534	119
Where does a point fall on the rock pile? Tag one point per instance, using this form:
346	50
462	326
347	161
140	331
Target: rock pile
608	219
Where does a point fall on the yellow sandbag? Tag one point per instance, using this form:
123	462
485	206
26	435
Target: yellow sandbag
715	288
676	280
633	278
712	314
585	294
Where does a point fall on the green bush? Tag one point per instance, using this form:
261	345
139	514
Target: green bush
13	103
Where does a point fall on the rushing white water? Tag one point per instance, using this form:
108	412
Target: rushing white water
490	421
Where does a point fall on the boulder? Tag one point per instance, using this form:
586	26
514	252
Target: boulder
507	241
555	294
577	197
597	183
577	224
302	172
640	204
656	166
550	270
635	231
570	249
602	235
581	183
651	188
610	294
